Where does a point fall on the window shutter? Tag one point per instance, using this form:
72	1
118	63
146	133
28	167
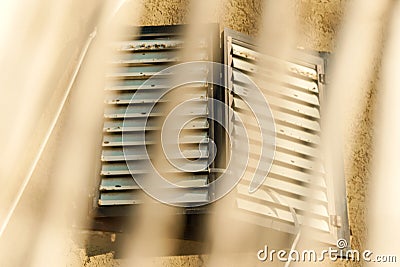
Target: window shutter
296	190
138	58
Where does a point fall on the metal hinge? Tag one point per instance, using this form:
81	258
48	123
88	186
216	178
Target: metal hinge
335	220
321	78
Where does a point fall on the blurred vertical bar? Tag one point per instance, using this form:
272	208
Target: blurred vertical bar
153	224
231	239
384	189
42	45
352	66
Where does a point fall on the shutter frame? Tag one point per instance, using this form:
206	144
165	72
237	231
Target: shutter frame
151	35
336	205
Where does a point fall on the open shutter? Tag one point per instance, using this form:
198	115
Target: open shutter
137	58
296	186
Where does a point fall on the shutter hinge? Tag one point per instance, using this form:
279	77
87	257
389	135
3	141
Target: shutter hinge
321	78
335	220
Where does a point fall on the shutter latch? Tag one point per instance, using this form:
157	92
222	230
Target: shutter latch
321	78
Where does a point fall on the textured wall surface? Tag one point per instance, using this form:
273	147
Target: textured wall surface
319	21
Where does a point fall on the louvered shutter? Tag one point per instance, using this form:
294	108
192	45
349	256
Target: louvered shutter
295	185
138	58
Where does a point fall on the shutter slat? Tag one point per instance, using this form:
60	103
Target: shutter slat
148	110
155	57
249	54
148	45
287	118
302	122
296	161
283	130
293	107
136	138
284	216
158	44
314	209
297	147
139	153
282	185
128	183
266	75
145	97
137	167
118	184
271	89
139	124
155	84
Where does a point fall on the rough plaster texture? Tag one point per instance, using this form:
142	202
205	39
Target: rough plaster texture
319	21
163	12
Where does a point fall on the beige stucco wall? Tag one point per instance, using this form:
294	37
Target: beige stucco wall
319	21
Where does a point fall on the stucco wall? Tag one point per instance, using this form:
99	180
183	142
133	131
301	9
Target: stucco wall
319	21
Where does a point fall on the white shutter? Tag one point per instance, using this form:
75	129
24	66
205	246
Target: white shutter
296	190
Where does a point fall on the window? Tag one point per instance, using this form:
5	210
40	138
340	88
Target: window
295	185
